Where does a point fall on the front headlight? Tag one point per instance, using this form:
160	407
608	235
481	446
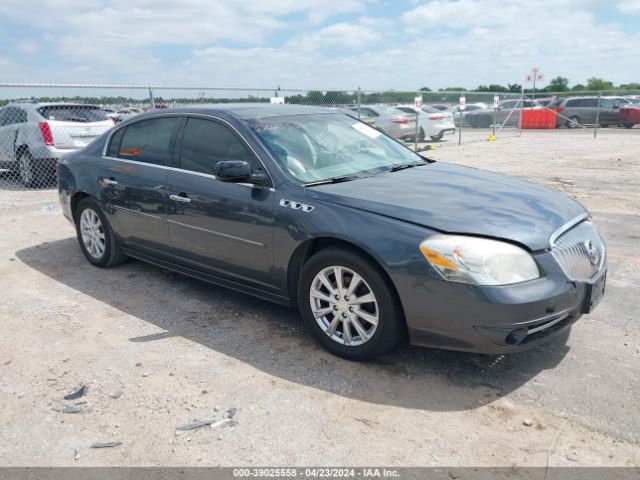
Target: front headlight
478	260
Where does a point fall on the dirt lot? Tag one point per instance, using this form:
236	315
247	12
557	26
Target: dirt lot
179	350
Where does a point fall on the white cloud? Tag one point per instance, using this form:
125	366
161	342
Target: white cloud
340	35
629	6
437	43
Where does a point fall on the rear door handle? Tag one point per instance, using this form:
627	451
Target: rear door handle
179	198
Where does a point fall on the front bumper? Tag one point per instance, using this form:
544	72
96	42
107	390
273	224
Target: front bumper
483	319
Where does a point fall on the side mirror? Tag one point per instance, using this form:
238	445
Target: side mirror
238	171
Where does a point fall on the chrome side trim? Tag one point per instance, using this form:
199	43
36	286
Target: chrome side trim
116	207
571	223
220	234
544	326
175	169
185	114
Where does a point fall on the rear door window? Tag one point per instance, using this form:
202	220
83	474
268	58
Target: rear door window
114	144
206	142
149	141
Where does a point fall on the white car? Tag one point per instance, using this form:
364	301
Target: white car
433	123
34	135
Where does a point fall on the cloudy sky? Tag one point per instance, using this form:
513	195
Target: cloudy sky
321	44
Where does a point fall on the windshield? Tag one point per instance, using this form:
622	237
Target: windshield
73	113
324	146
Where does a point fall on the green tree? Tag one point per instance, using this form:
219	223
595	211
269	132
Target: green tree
425	89
594	83
558	84
514	87
452	89
577	87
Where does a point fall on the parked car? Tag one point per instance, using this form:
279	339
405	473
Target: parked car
34	135
432	122
394	121
576	111
125	114
307	207
629	116
472	107
439	106
507	114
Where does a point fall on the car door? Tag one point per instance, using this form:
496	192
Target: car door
608	112
224	229
588	108
133	181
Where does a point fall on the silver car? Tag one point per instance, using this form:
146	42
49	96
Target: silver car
34	135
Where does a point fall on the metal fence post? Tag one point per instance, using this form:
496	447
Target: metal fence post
359	93
460	129
521	119
152	101
595	130
415	140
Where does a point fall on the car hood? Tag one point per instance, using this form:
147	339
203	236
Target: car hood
456	199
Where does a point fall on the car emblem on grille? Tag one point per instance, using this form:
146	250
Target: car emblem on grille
592	252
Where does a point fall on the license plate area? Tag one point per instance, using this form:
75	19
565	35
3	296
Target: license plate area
595	292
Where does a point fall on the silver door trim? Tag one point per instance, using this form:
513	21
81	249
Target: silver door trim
117	207
220	234
182	170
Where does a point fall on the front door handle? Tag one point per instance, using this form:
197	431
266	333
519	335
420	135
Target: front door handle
109	181
179	198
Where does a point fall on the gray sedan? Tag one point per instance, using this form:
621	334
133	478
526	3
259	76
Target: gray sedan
315	209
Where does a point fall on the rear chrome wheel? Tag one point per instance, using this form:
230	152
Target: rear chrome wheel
97	240
344	305
92	233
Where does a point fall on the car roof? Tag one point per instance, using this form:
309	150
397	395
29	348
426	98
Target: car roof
244	110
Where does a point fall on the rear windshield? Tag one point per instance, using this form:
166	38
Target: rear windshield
73	113
407	109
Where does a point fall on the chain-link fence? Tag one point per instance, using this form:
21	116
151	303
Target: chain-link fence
39	123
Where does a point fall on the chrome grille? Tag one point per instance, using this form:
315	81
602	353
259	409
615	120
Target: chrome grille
579	251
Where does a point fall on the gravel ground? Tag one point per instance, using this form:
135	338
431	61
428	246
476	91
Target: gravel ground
174	350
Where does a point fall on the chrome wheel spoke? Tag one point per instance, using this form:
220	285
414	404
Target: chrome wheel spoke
322	296
355	281
359	328
337	271
92	233
327	284
333	326
346	331
321	312
368	317
367	298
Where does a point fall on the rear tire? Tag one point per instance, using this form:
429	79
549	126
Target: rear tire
573	122
436	138
28	174
95	235
628	125
372	328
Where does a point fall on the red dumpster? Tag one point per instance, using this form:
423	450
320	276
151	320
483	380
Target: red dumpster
629	116
538	119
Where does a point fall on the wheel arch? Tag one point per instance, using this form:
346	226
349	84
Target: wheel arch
313	245
76	198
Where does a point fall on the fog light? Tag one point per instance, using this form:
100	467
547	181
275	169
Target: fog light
516	337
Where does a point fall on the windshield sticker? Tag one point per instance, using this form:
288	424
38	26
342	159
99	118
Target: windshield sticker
366	129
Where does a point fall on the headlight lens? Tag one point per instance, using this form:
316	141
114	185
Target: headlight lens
478	260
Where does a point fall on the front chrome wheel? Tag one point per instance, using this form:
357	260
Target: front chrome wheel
344	305
92	233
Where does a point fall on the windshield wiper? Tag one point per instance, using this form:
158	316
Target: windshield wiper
402	166
344	178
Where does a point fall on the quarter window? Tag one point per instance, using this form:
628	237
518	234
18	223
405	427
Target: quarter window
206	143
149	141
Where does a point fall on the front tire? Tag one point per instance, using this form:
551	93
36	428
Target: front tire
573	122
97	241
348	306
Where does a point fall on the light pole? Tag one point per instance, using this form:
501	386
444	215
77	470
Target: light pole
533	76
